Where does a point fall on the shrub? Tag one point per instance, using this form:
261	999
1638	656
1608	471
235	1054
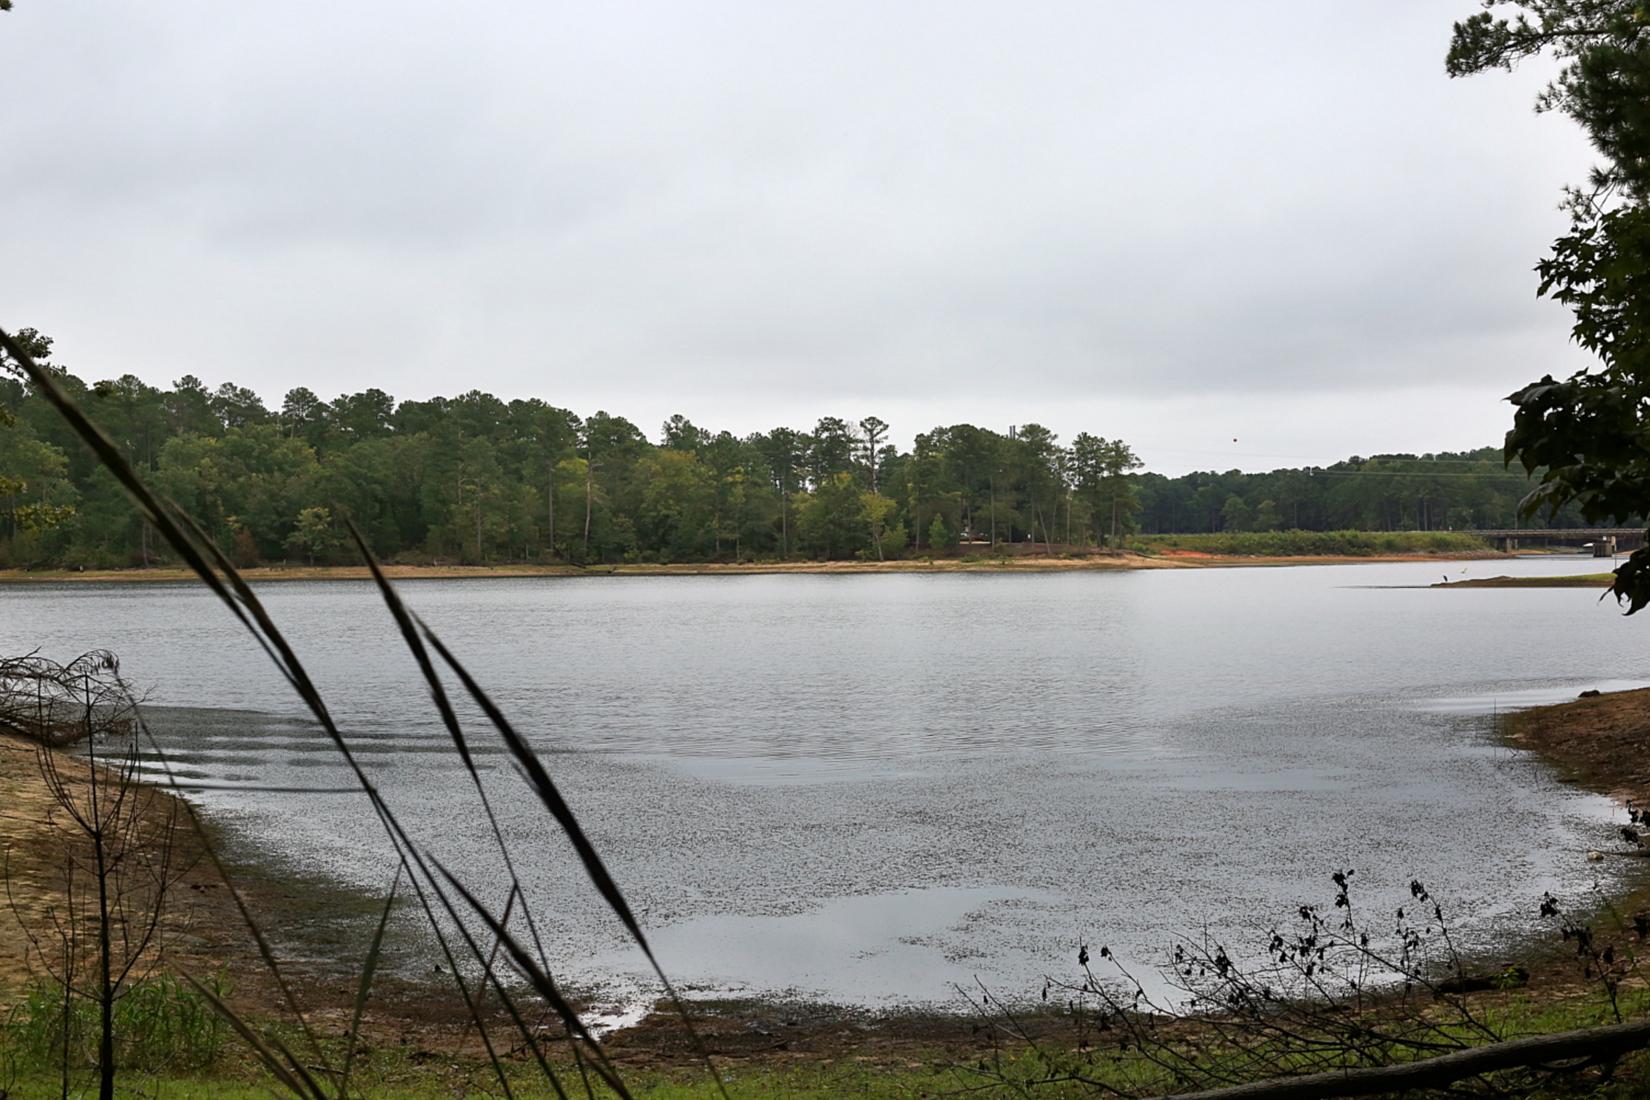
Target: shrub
161	1025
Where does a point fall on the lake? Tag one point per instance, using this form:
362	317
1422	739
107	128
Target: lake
871	789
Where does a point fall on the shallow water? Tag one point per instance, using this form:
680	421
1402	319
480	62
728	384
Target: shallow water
873	789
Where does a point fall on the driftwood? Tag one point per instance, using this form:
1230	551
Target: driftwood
59	704
1595	1044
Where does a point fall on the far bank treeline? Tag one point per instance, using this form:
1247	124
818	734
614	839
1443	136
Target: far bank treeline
474	478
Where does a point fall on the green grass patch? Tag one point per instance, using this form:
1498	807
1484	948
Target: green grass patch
443	1078
397	1073
160	1024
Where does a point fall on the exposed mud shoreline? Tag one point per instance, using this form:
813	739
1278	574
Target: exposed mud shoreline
1017	563
1601	741
1580	580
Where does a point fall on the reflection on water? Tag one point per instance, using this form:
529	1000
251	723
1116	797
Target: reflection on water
868	788
873	940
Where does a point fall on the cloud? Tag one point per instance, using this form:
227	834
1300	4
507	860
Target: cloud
775	212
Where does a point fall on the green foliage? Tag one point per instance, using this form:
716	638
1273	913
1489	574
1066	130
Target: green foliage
939	535
161	1024
313	535
1460	490
878	511
35	497
1353	544
1266	517
832	524
1101	467
476	479
1588	436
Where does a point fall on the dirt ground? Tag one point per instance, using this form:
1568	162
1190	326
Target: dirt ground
1602	741
37	840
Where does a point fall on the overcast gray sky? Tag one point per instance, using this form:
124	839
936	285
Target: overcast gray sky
1247	235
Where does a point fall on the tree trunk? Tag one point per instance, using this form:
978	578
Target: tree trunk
589	489
68	1015
106	984
1594	1044
993	491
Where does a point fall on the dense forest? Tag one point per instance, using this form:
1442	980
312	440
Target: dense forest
474	478
1447	491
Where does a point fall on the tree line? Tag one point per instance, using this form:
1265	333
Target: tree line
1446	491
474	478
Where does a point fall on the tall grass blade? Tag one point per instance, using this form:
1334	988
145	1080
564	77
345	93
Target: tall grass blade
368	969
533	771
542	983
449	718
283	1066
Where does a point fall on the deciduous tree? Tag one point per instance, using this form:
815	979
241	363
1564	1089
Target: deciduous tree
1588	436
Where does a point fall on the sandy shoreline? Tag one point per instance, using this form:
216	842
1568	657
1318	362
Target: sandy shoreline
969	564
201	918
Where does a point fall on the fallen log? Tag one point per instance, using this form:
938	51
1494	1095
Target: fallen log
1591	1044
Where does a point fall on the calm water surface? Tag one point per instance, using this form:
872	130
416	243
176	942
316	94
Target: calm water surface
871	789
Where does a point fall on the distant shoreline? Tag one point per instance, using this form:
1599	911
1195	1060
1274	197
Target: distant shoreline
968	564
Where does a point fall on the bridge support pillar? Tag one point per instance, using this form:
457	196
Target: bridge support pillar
1604	547
1509	544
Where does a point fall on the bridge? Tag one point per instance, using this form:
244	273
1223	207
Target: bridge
1605	542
